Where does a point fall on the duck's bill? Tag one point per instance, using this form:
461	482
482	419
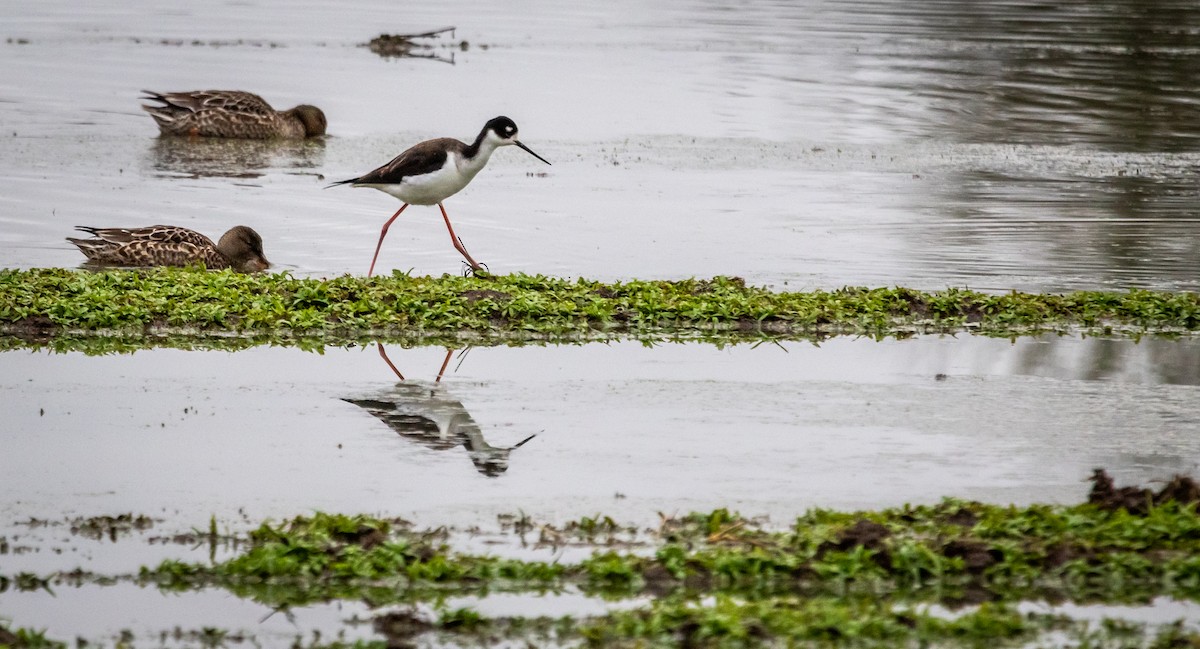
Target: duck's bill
530	151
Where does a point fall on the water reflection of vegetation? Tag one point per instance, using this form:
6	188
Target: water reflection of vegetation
1118	74
1112	75
18	638
42	303
98	345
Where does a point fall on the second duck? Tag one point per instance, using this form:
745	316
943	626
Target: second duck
231	114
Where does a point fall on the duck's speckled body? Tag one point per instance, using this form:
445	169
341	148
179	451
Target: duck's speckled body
167	245
231	114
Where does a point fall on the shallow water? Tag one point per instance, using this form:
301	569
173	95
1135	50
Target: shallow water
820	144
102	613
1000	145
620	428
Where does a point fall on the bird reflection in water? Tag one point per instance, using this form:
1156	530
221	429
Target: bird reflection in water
187	157
427	413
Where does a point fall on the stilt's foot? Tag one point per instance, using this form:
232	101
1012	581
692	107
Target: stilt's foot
480	270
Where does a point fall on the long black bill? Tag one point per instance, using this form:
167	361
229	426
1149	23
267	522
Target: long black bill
518	143
522	442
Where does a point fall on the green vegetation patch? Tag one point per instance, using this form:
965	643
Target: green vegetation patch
334	556
967	549
954	574
721	579
964	551
18	638
717	579
727	620
165	302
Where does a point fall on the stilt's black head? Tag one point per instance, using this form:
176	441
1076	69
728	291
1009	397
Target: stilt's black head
503	127
505	132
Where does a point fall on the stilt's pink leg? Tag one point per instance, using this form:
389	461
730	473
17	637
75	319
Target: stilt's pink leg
387	360
458	244
449	353
384	234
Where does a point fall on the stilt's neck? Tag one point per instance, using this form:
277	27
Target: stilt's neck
476	154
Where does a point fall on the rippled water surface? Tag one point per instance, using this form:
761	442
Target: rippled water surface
1033	146
619	428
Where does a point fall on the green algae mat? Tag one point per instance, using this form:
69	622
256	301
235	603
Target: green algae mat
42	304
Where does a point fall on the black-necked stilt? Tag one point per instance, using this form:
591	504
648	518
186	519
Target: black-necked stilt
434	170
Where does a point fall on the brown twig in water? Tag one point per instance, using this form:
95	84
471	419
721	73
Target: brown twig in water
427	34
720	535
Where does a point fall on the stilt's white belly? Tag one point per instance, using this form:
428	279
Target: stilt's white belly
431	188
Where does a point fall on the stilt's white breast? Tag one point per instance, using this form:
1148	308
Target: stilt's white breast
435	187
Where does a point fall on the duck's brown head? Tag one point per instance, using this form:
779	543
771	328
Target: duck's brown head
312	118
243	248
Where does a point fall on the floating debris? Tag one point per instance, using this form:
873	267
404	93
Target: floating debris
391	46
110	527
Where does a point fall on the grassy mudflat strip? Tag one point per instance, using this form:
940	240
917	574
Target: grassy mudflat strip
957	552
188	301
954	574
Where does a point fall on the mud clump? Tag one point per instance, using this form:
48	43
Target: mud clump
400	628
962	517
34	329
390	45
972	594
868	534
977	556
658	580
915	304
1138	500
1181	489
365	537
1060	553
864	533
474	296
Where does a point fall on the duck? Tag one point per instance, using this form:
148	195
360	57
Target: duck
169	245
230	114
